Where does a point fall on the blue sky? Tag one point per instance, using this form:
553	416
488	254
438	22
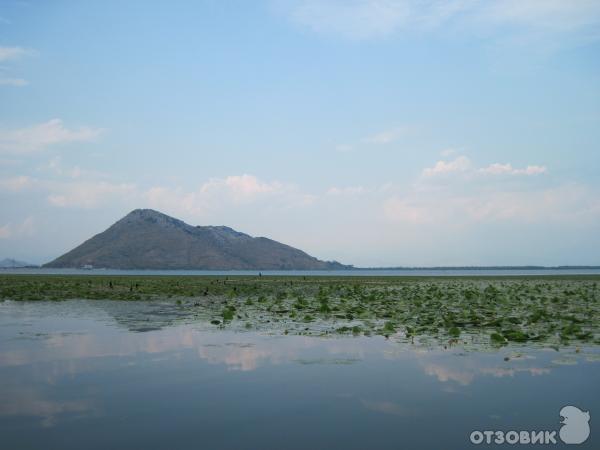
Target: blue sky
374	132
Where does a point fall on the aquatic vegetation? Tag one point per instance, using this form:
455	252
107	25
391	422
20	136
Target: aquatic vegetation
454	332
497	339
228	314
479	311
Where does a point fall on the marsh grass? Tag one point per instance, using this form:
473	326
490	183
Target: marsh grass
550	311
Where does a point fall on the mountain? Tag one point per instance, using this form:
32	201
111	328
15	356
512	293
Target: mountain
148	239
9	263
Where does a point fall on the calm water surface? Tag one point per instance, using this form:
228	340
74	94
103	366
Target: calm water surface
118	375
326	273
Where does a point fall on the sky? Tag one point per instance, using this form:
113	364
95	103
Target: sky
371	132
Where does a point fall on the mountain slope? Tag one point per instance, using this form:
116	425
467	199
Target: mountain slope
9	263
147	239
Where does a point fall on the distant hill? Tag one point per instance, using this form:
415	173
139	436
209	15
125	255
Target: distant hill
9	263
417	268
148	239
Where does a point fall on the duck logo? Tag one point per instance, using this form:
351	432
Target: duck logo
575	430
575	427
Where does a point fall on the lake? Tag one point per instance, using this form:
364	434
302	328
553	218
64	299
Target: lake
111	374
491	272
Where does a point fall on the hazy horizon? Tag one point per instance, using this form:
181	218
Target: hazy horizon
375	133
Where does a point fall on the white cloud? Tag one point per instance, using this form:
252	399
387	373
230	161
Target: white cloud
7	53
10	162
5	232
554	15
351	18
25	228
507	169
227	194
386	137
343	148
16	82
79	188
16	184
471	195
564	204
368	19
349	190
462	164
531	170
241	187
38	137
449	152
56	167
382	138
89	194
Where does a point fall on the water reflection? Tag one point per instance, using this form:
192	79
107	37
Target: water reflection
78	364
80	335
25	401
387	407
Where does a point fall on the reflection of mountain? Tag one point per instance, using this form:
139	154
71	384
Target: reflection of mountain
146	316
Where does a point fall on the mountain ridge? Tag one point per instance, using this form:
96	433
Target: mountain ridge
11	263
148	239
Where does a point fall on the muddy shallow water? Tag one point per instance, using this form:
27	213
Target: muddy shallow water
108	374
